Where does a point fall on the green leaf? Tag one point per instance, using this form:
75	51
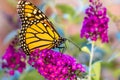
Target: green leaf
32	75
116	72
76	38
96	70
70	12
85	49
66	9
76	19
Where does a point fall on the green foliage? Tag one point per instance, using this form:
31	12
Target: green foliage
85	49
72	48
96	70
32	75
78	40
117	72
66	9
113	56
106	47
72	16
110	65
77	18
1	74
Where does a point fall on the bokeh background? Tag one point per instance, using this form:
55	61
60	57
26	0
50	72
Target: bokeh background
67	16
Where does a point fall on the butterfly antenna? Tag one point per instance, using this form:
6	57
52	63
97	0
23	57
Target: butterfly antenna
74	44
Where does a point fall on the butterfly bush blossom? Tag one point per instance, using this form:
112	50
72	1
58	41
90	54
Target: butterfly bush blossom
55	65
95	23
13	60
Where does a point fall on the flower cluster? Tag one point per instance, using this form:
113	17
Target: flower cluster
55	65
95	23
13	60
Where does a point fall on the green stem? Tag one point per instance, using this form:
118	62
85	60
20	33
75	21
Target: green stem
90	62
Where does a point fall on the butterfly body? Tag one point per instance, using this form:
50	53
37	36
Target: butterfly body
37	31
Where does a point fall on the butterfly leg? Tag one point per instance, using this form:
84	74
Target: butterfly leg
63	48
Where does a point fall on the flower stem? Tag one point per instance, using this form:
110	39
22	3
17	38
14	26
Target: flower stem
90	61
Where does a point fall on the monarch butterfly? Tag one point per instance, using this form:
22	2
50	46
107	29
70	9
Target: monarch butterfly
37	31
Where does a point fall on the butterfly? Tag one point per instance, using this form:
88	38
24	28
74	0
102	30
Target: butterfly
36	31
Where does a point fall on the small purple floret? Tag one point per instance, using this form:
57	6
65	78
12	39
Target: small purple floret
55	65
13	60
95	24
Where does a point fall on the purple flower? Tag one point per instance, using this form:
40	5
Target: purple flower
13	60
95	24
55	65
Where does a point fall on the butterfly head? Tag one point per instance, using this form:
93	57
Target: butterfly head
62	39
58	42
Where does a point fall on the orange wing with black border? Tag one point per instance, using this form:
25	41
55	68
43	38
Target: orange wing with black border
37	31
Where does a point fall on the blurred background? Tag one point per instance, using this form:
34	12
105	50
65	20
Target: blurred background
67	16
